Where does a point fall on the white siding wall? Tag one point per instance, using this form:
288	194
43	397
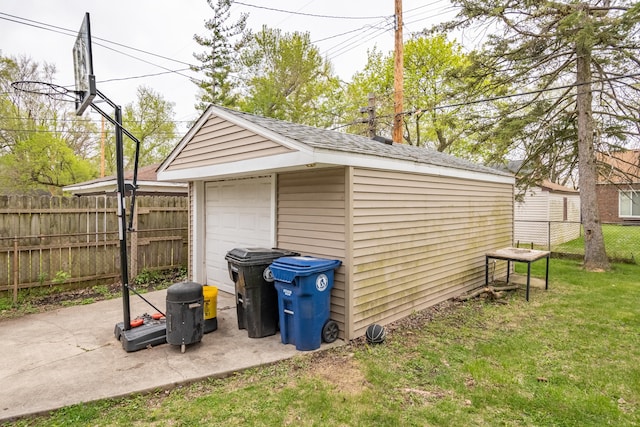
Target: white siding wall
539	218
531	218
562	231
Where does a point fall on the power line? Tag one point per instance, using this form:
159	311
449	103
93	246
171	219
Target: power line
144	75
74	132
73	33
514	95
307	14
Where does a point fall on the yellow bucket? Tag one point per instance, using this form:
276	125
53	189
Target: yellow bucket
210	294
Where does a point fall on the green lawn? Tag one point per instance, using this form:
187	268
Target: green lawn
569	357
621	243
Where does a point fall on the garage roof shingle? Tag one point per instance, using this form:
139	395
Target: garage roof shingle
339	141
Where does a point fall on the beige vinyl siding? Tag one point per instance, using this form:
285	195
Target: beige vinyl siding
311	220
192	208
419	240
219	141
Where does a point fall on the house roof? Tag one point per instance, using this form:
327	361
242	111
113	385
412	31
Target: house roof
315	146
557	188
622	167
147	184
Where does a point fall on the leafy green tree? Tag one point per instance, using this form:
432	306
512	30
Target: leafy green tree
576	62
43	161
151	120
221	44
43	145
435	94
287	78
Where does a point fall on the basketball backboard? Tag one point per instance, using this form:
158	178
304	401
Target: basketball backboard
83	67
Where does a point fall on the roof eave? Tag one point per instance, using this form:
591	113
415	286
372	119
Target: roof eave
323	158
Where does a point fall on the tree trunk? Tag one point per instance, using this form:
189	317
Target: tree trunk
595	256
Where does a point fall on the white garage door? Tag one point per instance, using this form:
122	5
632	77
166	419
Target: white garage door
238	215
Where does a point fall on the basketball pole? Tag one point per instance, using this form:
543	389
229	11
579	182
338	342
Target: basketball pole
152	331
116	120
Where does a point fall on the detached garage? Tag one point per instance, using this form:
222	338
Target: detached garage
410	225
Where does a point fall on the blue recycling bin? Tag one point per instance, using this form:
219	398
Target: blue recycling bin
304	288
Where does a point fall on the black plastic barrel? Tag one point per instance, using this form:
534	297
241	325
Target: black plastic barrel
256	297
185	316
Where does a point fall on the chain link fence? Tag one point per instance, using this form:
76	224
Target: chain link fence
566	238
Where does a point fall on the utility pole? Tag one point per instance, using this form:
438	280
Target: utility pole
398	80
371	110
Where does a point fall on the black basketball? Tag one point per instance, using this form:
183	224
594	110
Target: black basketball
375	334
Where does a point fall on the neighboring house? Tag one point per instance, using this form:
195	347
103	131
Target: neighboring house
411	225
548	215
618	187
147	183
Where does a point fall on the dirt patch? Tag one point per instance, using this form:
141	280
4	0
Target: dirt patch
340	369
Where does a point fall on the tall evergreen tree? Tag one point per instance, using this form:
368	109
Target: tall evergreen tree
577	63
221	44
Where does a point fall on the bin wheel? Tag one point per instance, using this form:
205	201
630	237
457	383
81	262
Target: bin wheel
183	348
330	331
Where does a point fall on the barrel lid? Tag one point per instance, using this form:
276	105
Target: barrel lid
184	291
287	268
252	256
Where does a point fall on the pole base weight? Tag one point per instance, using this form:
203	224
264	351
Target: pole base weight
147	335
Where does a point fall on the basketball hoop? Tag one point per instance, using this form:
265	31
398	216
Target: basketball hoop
51	90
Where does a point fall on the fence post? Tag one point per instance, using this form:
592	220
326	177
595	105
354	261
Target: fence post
549	236
15	270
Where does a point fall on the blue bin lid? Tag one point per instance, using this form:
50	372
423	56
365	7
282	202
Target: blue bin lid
287	268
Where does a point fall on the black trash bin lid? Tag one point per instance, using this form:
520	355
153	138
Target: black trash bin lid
184	292
254	256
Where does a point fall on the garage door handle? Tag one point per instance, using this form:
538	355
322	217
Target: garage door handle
287	311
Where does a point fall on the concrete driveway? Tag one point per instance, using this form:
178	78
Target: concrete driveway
70	355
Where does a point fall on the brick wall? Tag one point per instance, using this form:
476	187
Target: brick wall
608	202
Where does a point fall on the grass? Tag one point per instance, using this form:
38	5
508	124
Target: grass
621	243
569	357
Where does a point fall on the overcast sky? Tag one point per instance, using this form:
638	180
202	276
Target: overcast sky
45	31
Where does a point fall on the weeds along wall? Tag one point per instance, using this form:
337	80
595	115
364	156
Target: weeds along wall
47	241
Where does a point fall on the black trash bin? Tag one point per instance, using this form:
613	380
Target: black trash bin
185	315
256	297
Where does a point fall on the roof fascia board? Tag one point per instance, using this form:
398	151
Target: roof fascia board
111	185
376	162
257	165
297	159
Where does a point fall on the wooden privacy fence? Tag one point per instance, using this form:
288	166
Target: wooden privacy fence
48	240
